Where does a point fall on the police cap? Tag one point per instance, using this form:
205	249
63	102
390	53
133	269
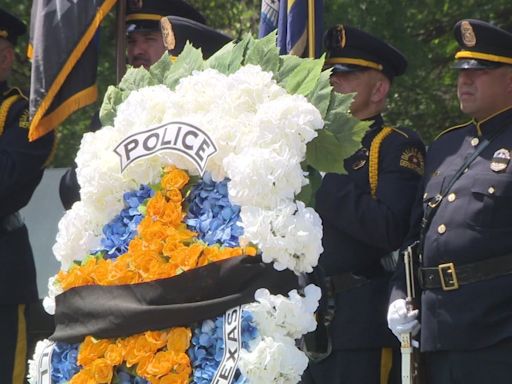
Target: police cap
145	15
483	45
178	30
10	26
350	49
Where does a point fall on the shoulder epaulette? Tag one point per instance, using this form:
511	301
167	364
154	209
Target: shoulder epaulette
452	129
399	131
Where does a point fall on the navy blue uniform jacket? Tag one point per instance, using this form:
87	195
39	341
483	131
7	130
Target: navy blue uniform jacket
21	169
472	223
360	229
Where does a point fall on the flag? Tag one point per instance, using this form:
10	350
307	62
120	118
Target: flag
63	48
299	25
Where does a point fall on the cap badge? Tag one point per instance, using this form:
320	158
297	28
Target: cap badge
500	160
341	36
468	36
135	4
167	33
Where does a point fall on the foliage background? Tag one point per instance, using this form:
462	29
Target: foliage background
423	99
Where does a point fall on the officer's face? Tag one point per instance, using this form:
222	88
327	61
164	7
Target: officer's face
364	83
484	92
145	48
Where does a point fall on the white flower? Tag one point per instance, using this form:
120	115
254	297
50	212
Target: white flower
33	365
79	232
291	316
273	360
289	235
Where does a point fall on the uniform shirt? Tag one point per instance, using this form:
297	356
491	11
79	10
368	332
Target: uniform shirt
21	169
359	230
472	223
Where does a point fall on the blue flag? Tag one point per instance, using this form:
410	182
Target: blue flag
299	25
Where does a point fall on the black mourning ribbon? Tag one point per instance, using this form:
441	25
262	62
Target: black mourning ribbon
196	295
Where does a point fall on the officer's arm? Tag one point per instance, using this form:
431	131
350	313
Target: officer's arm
382	221
21	161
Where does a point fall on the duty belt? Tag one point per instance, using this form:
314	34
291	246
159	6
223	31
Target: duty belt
449	276
10	223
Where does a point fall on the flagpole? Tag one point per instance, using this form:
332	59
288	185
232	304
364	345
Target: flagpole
120	40
311	29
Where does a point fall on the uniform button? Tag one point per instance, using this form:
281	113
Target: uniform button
491	190
451	197
474	141
425	195
441	229
465	170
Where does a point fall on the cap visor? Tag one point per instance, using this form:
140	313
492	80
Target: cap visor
475	64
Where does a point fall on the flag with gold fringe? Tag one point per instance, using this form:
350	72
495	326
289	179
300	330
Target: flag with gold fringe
298	23
63	49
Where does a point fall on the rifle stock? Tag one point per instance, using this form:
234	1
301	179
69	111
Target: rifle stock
410	354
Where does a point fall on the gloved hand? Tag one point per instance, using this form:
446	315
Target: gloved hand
400	320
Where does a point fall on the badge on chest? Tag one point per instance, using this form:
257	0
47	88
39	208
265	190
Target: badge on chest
360	159
500	160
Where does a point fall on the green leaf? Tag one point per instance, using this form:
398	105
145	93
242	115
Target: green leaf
288	64
136	78
229	58
320	95
308	192
264	53
303	79
160	68
112	99
190	59
340	103
323	153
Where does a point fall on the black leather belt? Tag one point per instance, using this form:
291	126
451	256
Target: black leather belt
10	222
450	276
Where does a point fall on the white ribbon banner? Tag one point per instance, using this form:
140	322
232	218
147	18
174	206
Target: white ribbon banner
175	136
232	346
43	365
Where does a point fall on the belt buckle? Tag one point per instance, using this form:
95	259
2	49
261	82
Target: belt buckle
448	276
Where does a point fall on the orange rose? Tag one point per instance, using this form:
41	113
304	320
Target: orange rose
174	178
179	339
85	376
156	338
114	354
92	349
103	371
161	364
140	349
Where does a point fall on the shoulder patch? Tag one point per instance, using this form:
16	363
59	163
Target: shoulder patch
412	158
24	119
452	129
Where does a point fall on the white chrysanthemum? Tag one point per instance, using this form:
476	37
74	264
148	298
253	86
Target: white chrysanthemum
33	365
289	235
79	232
291	316
273	360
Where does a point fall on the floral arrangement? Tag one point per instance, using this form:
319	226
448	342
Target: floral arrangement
275	125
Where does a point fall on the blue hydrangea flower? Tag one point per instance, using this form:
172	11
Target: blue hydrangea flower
211	214
64	365
207	347
118	233
124	375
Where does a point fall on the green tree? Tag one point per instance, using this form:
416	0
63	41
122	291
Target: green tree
423	99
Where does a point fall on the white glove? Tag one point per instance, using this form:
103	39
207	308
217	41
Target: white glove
401	320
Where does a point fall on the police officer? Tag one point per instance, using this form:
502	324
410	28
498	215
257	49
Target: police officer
365	213
151	32
466	229
21	169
